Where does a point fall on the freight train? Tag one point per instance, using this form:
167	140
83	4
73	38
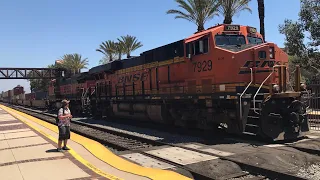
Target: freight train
18	96
226	76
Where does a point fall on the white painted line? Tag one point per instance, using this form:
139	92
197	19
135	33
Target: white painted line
10	124
15	130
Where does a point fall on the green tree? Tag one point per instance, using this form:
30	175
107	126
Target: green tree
197	11
129	44
229	8
261	11
40	84
104	60
108	49
307	54
74	62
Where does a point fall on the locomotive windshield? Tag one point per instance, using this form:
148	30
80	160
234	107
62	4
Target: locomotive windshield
230	40
254	40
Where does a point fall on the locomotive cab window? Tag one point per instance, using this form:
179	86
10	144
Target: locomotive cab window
200	46
229	40
254	40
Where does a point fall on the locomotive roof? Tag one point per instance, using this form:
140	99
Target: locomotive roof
220	28
162	53
105	67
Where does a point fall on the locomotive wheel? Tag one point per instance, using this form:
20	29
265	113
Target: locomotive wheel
280	122
233	127
177	118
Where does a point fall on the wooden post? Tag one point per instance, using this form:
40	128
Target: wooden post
280	74
284	78
297	79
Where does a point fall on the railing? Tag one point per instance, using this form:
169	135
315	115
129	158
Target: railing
254	97
245	92
94	90
84	99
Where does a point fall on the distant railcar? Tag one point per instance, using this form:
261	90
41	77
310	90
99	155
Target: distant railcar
18	90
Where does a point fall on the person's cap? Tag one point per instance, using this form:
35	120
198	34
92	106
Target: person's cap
65	101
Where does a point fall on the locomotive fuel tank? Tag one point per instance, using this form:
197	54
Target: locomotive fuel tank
39	104
125	110
140	111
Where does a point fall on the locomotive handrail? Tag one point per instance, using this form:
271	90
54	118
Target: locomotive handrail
245	92
254	97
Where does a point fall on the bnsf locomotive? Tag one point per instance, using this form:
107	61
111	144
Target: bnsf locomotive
225	76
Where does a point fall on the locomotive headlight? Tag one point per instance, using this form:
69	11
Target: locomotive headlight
303	87
271	50
276	88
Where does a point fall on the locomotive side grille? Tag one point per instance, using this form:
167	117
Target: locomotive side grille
206	85
192	86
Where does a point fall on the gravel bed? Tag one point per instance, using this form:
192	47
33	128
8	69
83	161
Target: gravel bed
311	172
243	177
151	134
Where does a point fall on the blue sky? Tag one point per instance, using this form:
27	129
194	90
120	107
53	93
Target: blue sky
35	33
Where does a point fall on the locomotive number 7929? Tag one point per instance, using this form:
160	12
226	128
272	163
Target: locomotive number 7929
202	66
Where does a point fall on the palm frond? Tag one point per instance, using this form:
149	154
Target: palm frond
196	11
108	49
229	8
130	44
74	62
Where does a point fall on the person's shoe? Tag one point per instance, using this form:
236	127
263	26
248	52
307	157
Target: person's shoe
59	149
65	148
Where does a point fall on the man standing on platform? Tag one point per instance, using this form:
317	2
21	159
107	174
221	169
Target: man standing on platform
64	117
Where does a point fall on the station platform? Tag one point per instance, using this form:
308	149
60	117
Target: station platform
28	152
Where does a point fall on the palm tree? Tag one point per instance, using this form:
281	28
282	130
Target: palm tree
119	48
108	49
129	44
74	62
228	8
261	17
197	11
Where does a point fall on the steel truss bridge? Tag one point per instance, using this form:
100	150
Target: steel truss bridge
32	73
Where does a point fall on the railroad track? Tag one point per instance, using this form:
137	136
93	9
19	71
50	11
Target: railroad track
111	139
126	142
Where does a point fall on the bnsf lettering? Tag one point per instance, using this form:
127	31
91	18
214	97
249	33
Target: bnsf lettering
262	63
133	78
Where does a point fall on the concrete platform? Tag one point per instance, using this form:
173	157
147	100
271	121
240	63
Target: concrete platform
28	151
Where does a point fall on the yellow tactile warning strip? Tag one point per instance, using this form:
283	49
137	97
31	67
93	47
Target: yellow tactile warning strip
71	151
102	153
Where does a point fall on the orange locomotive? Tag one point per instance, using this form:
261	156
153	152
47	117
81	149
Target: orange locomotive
224	76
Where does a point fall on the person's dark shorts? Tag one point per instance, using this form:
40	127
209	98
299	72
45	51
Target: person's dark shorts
64	132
